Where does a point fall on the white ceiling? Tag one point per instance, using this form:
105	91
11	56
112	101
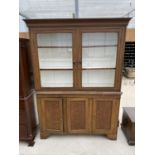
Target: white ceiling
87	9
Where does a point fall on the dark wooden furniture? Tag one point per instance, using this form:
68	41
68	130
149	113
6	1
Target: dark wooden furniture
128	124
27	122
77	66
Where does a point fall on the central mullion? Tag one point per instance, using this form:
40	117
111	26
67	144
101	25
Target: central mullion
77	59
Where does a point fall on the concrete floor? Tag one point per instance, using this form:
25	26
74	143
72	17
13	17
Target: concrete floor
82	144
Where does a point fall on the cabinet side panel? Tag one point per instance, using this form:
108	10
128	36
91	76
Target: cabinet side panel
35	61
120	58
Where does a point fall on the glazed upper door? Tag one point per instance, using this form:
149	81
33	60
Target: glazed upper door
55	59
99	58
99	50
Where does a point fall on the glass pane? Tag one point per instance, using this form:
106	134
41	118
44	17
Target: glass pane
101	38
55	58
54	39
99	57
56	78
99	50
55	50
98	78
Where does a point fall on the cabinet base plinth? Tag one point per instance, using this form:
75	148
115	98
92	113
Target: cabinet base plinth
112	136
44	135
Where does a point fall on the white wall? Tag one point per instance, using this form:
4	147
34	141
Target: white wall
22	25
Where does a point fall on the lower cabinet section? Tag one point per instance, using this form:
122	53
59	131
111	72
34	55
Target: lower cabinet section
78	115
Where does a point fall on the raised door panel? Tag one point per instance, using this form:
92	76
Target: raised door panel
52	114
78	115
102	115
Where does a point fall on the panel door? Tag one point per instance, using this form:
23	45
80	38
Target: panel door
50	114
102	115
78	115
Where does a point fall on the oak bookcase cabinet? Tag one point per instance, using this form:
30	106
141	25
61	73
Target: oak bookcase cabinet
77	65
